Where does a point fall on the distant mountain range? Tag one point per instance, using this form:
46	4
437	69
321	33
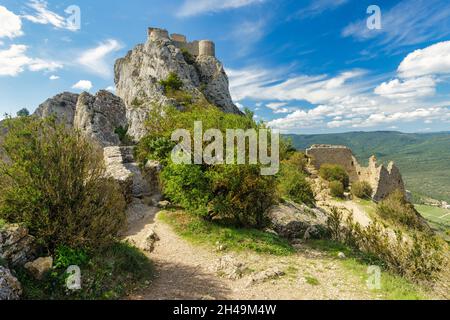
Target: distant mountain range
423	158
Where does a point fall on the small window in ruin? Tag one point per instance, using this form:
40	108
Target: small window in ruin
353	164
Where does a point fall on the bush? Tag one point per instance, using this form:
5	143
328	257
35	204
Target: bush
154	148
331	172
336	189
124	138
419	258
172	82
293	185
395	208
23	112
55	184
362	190
188	57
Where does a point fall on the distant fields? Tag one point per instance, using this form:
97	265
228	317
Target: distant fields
424	159
439	218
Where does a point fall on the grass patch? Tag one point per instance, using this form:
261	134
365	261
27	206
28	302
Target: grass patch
2	223
111	274
312	281
392	287
199	231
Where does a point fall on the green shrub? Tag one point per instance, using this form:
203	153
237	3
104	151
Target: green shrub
188	57
293	185
395	208
55	184
362	190
124	138
65	257
336	189
23	112
154	148
331	172
172	82
421	257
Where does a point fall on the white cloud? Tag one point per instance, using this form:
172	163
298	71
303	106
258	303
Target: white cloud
434	59
10	24
111	89
95	59
197	7
409	22
54	77
42	15
84	85
407	89
14	61
318	7
265	84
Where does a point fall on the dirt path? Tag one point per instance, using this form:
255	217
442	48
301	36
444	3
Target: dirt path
186	271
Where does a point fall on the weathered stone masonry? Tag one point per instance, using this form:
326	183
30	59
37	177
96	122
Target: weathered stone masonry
384	180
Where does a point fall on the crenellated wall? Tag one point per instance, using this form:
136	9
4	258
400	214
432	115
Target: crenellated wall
384	180
196	48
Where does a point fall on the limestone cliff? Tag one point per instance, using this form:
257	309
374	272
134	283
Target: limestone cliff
62	106
138	76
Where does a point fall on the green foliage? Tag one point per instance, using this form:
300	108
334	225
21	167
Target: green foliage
292	183
336	189
362	190
200	231
110	274
136	103
154	148
419	257
23	112
188	186
395	208
312	281
172	82
2	223
235	192
188	57
55	184
124	138
65	257
331	172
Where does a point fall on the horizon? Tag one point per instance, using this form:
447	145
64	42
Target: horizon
395	78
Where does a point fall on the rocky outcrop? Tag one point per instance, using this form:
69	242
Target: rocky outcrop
39	267
294	221
61	106
99	116
17	247
10	288
138	76
120	165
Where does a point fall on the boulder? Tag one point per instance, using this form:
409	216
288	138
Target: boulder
61	106
10	288
294	221
39	267
17	247
263	276
150	241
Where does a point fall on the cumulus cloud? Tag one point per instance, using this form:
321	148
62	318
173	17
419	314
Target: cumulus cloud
95	59
407	89
434	59
83	85
10	24
15	60
42	15
54	77
197	7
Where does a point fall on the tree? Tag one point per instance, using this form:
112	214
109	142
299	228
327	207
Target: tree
23	112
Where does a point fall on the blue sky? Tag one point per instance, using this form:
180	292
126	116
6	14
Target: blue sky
303	66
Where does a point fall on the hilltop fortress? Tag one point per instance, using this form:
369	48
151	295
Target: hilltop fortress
195	48
384	180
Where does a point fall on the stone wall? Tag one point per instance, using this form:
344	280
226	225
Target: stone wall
384	180
196	48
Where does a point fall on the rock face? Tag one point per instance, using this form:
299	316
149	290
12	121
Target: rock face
10	288
294	221
138	76
120	165
17	247
99	116
62	106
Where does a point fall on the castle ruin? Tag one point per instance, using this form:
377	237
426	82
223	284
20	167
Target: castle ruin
384	180
195	48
